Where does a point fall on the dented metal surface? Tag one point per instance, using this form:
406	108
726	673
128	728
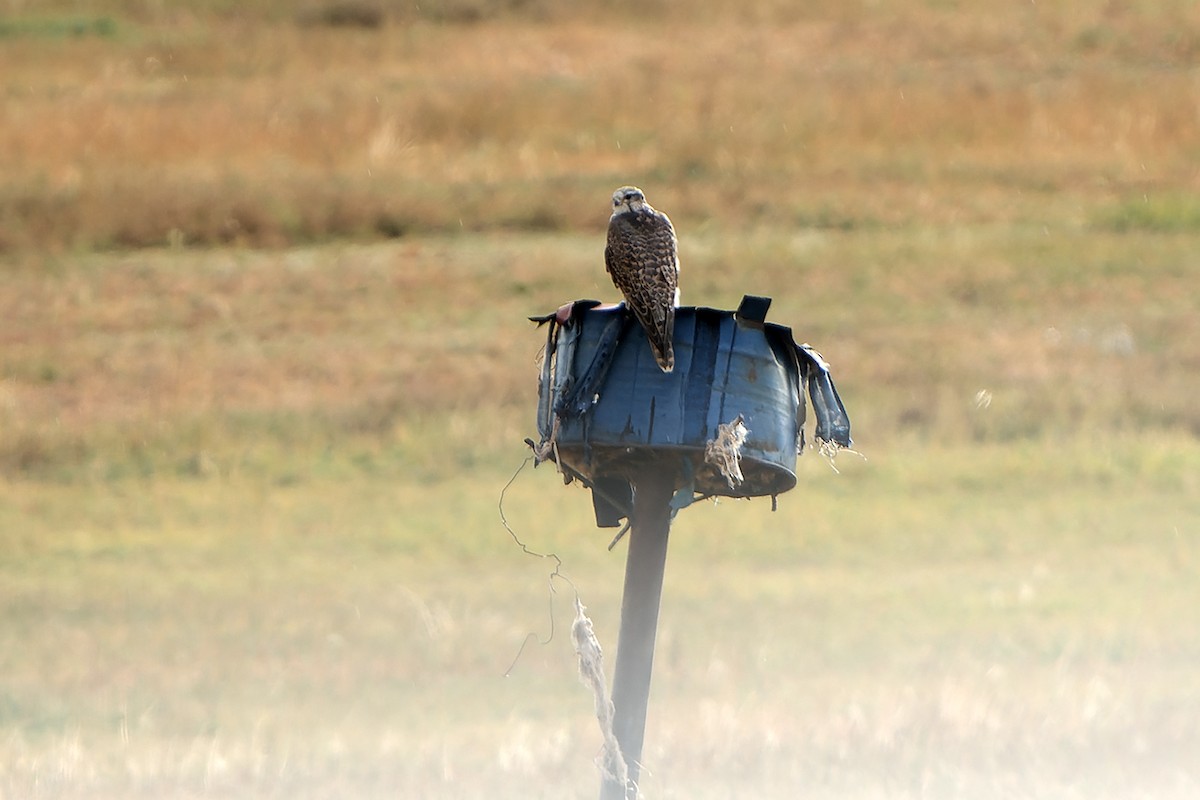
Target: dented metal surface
604	405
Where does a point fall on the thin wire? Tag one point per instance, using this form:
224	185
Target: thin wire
557	573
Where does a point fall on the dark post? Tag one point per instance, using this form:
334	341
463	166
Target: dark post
649	525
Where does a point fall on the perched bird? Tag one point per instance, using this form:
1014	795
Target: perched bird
641	257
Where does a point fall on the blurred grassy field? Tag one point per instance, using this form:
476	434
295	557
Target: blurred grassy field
264	370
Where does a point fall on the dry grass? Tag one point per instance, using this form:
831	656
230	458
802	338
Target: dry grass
182	362
879	635
204	131
248	540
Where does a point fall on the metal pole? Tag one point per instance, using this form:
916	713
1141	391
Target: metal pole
649	525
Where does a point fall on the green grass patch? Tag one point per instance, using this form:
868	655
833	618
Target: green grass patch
1153	213
103	27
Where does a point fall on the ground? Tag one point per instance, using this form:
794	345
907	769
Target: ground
265	369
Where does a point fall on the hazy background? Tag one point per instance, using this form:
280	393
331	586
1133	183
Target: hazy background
265	368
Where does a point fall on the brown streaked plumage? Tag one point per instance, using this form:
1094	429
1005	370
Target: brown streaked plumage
642	259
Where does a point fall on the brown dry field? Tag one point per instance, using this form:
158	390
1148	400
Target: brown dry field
908	170
195	129
264	369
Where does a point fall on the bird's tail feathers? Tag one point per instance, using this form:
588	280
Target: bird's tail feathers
664	357
660	332
662	340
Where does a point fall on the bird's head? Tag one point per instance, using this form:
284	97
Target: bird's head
629	198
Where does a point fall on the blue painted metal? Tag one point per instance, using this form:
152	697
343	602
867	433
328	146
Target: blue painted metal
607	407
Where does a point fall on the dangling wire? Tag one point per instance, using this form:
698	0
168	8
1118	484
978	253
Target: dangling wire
557	573
587	648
